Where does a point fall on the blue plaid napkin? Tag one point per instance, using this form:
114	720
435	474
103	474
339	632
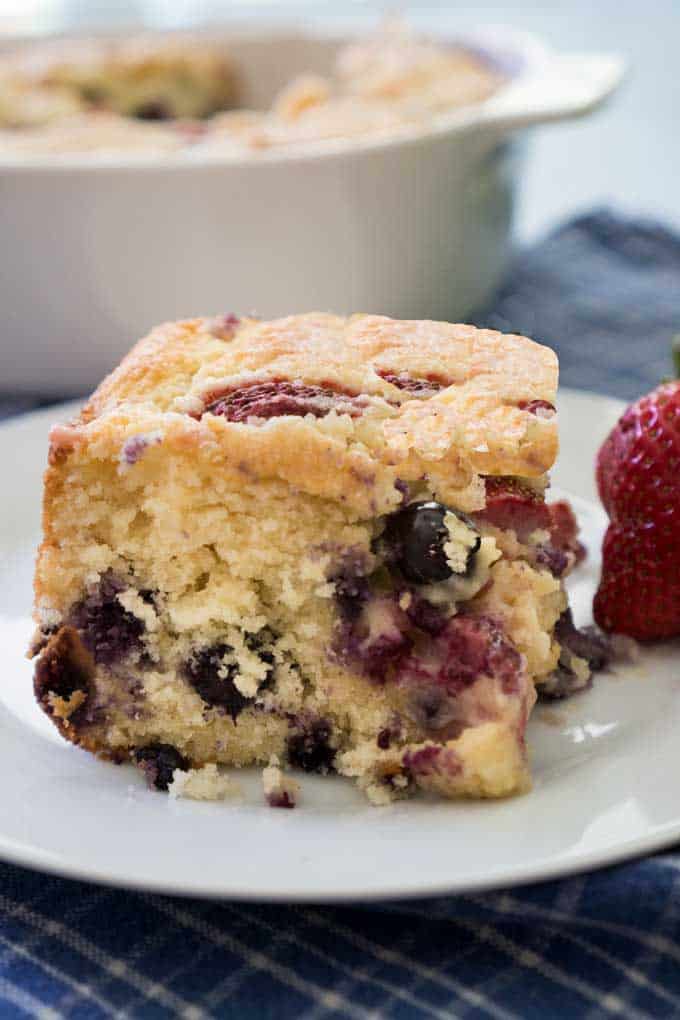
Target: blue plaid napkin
606	294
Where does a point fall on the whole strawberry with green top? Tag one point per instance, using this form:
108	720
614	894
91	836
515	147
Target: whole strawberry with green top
638	476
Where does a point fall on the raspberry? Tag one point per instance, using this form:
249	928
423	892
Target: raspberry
467	648
214	682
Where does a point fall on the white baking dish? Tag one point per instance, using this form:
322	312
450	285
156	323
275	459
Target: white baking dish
95	250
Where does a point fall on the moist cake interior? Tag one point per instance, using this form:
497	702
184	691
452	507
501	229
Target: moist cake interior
319	541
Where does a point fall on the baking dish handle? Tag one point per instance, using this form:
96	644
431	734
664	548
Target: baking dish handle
569	85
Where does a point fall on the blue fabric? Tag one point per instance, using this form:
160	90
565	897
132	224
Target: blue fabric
606	294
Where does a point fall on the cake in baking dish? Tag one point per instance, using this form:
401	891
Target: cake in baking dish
144	77
100	95
316	542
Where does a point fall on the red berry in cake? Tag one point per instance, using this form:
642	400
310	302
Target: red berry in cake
564	530
468	647
513	505
418	387
135	447
277	397
540	408
638	476
426	616
223	326
431	760
284	799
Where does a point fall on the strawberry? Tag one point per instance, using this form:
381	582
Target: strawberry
510	503
638	477
564	530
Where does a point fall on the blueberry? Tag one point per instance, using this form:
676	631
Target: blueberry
348	577
351	594
281	800
554	559
158	762
562	683
309	748
153	109
426	616
214	682
108	630
384	739
414	541
586	642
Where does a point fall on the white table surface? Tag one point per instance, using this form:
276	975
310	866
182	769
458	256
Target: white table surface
627	156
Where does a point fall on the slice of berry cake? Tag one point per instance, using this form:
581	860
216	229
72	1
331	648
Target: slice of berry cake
318	541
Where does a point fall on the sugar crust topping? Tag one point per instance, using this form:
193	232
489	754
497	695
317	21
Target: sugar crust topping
480	420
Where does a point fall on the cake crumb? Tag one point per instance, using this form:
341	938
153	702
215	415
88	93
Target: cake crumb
379	794
206	783
279	790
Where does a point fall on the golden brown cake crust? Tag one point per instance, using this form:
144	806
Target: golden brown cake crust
481	416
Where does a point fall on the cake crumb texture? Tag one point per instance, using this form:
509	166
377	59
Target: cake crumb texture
316	543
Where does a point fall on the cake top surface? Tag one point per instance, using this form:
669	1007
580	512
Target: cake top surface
369	354
418	393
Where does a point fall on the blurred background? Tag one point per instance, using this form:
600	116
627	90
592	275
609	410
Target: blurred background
591	266
626	156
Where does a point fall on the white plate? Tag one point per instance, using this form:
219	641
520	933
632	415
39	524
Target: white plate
604	764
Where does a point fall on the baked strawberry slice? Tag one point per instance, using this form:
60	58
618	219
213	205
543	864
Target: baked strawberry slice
564	530
638	476
511	504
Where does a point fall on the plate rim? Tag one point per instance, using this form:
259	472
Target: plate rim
667	834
